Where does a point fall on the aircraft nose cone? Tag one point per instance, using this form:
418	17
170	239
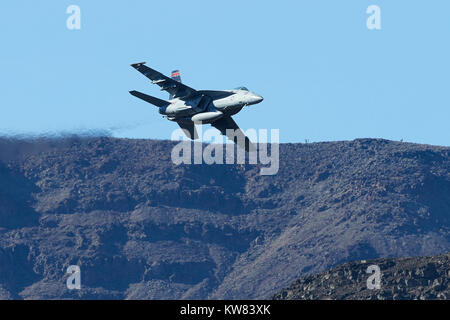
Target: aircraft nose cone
254	98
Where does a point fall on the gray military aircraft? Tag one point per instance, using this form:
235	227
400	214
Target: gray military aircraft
187	106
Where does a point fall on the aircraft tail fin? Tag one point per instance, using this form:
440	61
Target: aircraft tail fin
177	77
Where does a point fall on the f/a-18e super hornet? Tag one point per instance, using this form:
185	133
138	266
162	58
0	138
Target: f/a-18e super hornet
188	106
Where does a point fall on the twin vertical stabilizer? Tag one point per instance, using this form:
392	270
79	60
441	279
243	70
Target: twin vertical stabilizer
177	77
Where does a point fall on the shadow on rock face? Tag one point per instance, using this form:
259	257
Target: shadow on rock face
16	268
15	200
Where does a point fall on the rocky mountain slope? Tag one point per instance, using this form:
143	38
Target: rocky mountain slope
141	227
419	278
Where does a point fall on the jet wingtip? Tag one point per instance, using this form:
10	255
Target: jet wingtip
137	65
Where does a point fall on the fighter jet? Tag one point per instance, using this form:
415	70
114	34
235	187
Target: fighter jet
188	106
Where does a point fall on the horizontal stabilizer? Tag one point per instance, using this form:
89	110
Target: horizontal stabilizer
155	101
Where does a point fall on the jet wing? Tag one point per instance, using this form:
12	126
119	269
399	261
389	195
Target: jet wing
189	130
239	137
175	88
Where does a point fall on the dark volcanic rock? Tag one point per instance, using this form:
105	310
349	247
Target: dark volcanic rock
141	227
423	278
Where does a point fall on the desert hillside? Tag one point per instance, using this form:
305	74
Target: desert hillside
140	227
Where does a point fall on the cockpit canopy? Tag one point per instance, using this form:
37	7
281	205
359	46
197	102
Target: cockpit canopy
241	88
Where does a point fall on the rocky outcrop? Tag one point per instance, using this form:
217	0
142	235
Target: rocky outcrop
417	278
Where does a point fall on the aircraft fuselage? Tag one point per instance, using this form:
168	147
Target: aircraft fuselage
206	109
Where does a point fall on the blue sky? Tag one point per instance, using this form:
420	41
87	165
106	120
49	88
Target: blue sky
323	74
